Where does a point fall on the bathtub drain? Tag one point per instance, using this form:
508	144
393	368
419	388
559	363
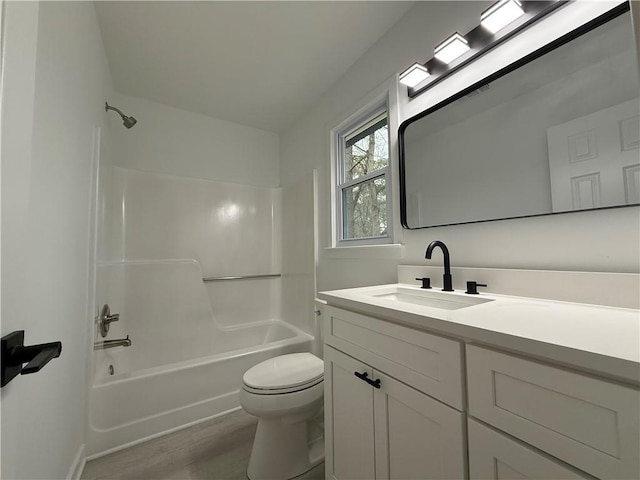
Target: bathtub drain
110	369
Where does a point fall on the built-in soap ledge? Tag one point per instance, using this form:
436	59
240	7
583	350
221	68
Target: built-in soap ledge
596	288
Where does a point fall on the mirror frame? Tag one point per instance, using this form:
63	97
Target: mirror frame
562	40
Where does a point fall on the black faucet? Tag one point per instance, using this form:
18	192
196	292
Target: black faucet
446	278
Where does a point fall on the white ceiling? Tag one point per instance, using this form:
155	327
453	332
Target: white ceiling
261	64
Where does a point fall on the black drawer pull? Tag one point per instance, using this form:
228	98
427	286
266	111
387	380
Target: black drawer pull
365	376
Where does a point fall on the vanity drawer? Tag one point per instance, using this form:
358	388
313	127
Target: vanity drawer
494	456
589	423
428	363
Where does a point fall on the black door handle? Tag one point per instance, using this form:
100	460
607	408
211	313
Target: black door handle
43	354
14	354
365	376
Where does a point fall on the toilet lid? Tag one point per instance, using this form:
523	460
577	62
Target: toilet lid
285	372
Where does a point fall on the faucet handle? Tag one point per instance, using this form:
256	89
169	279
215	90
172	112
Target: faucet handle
472	287
426	282
105	319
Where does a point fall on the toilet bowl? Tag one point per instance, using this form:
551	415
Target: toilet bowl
286	394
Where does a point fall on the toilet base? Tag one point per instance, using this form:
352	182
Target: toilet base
282	451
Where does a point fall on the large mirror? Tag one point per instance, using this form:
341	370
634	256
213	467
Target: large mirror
557	134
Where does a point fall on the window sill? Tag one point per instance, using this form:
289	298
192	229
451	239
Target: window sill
393	251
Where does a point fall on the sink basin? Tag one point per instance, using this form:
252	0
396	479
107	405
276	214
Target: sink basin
429	298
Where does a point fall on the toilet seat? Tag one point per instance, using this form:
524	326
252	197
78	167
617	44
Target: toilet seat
284	374
281	391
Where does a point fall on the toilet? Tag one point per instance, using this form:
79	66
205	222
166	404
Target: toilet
286	394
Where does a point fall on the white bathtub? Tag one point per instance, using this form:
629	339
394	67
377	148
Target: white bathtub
192	369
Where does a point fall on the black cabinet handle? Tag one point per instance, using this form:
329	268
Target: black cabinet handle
365	376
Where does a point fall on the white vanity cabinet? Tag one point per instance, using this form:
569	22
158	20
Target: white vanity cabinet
394	431
457	409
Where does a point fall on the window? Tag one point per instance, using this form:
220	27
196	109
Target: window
363	189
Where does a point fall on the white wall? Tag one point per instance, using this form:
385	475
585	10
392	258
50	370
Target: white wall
56	78
177	142
599	241
299	256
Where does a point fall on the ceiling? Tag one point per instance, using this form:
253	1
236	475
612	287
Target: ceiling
261	64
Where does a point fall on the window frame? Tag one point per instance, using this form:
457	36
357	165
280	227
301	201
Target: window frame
348	128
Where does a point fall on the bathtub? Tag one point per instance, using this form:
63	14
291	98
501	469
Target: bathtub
186	370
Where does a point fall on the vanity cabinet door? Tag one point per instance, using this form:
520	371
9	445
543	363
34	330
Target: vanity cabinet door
587	422
493	456
349	436
389	433
417	437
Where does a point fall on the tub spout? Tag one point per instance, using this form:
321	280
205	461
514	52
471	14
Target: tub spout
120	342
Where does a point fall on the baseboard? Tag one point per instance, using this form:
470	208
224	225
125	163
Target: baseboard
78	465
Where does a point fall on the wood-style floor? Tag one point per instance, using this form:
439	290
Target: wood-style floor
215	450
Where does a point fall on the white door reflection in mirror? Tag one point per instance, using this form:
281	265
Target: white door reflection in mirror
593	159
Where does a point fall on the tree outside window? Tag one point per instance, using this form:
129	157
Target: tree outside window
363	189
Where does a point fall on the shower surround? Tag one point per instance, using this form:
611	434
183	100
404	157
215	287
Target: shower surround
230	229
191	341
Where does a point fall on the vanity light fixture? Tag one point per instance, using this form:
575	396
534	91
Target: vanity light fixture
500	22
414	75
452	48
501	14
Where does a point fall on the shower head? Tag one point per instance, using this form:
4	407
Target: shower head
126	121
129	121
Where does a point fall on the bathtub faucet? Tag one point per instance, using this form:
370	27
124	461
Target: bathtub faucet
120	342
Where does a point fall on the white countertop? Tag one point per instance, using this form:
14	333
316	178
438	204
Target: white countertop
595	339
